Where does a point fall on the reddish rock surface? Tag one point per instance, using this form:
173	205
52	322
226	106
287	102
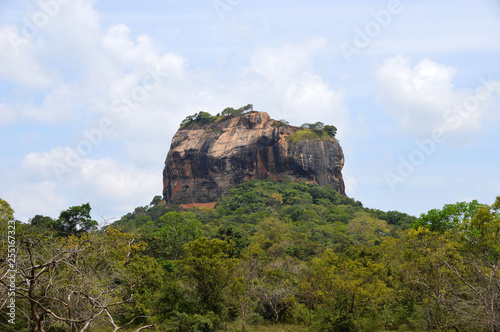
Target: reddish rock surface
202	206
206	160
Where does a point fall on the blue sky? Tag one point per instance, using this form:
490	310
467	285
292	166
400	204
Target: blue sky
91	93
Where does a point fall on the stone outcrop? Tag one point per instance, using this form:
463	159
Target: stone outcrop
206	160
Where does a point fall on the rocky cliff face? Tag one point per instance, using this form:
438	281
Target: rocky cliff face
206	160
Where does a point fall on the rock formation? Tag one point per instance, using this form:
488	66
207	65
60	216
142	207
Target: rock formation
206	159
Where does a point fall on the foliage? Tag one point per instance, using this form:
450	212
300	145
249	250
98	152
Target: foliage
156	200
209	269
200	117
76	220
72	282
6	216
237	112
6	211
320	129
44	222
281	122
177	230
448	217
145	219
271	256
205	117
307	134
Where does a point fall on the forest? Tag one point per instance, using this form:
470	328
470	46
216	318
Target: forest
271	256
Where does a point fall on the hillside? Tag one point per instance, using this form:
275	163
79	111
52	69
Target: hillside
271	256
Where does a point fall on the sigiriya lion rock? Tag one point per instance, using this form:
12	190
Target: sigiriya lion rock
210	154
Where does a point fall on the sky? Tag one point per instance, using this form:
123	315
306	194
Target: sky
92	92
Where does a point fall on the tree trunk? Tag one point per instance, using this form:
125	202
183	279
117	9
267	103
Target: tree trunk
34	312
310	318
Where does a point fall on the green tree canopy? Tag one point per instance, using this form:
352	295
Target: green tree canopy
451	215
76	220
229	111
156	200
6	212
210	270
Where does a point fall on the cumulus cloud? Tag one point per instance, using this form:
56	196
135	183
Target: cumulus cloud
424	98
30	199
110	186
283	79
280	64
7	113
20	54
309	98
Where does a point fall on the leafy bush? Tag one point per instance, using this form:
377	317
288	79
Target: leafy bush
307	134
182	322
201	117
320	129
229	111
205	117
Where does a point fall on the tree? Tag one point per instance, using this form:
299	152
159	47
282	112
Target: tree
178	229
277	287
188	120
209	270
6	220
318	126
451	215
270	241
229	111
330	130
367	230
275	199
203	117
423	273
44	222
233	237
247	108
243	293
478	305
6	212
76	220
156	200
458	271
346	289
200	117
74	281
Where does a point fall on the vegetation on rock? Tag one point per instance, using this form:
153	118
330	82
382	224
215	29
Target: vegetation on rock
205	117
317	131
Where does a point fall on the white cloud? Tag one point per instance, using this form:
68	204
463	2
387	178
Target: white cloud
58	106
350	182
280	64
32	198
311	100
19	61
424	98
7	113
283	80
117	184
110	187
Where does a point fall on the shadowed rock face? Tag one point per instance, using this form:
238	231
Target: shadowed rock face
206	160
